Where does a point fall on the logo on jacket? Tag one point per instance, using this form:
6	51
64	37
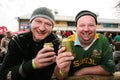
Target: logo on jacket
96	53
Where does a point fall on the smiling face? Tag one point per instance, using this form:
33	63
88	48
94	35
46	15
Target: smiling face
41	28
86	29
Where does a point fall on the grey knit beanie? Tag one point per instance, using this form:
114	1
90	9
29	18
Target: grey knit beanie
43	12
85	12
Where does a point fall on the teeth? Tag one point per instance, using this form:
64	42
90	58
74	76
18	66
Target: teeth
86	34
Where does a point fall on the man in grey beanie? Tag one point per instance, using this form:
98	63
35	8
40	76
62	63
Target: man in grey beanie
43	12
27	58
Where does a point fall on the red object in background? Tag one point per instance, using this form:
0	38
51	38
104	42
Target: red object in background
68	33
3	30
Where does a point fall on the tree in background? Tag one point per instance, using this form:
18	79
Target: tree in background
117	7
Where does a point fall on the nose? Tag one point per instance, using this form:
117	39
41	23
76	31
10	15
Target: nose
86	28
42	27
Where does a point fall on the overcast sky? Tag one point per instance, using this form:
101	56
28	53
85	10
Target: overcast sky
9	9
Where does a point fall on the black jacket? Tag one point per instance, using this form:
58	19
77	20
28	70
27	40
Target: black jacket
21	50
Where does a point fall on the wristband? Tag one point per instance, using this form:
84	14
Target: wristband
61	73
33	64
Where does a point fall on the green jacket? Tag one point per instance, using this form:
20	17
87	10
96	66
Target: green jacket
99	53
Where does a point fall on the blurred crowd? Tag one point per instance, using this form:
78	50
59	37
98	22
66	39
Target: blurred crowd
4	41
114	41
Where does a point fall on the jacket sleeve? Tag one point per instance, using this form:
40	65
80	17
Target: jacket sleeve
107	57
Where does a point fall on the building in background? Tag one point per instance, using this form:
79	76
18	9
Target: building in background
67	23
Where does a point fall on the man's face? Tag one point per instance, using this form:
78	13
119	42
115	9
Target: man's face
9	34
86	29
41	28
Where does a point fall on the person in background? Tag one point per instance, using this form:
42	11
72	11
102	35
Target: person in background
59	35
116	54
2	54
1	36
92	53
5	40
117	51
4	44
117	37
109	37
27	58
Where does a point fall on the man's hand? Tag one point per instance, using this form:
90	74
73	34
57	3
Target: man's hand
64	59
45	57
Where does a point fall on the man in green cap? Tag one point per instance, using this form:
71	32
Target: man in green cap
91	52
